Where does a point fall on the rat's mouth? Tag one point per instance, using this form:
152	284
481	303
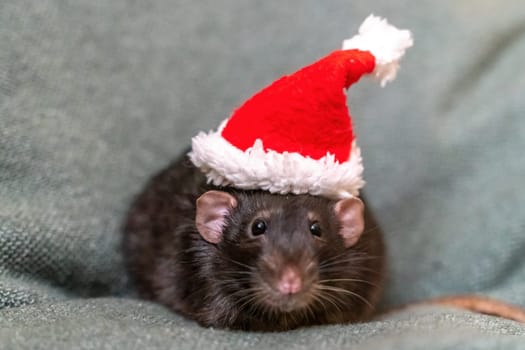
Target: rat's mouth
285	302
286	287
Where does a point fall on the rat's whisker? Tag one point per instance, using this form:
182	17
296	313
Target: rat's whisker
344	291
335	257
337	270
317	299
323	282
247	300
247	291
233	272
348	261
250	268
326	297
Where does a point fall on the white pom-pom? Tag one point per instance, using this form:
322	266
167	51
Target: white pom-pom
385	42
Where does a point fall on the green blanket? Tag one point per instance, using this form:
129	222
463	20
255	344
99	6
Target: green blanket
95	96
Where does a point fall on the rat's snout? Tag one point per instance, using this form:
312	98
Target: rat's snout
290	281
286	281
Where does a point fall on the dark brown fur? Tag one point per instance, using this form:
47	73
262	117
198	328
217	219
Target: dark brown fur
171	263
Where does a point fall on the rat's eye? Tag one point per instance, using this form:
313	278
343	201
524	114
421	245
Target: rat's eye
258	227
315	229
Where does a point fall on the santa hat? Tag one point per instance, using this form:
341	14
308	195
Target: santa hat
295	136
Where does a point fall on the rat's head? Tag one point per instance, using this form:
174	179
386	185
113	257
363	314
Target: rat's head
278	255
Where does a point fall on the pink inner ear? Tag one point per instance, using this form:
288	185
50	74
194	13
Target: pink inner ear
212	209
350	213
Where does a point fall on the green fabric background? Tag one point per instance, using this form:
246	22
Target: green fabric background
95	96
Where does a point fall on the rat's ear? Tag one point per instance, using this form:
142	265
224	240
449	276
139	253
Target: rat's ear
212	209
350	213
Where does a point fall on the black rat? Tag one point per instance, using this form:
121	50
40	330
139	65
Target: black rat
252	260
248	259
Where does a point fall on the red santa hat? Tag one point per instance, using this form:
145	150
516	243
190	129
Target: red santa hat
296	136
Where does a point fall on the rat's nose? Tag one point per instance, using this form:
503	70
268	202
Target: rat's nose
290	281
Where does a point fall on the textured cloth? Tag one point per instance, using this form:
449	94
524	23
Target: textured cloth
95	96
